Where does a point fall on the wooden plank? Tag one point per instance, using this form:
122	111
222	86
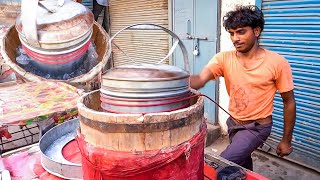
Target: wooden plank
132	142
107	141
157	140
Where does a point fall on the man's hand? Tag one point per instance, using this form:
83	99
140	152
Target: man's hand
198	81
289	108
284	148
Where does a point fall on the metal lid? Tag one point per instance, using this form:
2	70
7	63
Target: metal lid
146	72
145	81
59	23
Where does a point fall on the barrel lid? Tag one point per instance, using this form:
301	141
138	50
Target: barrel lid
65	23
145	72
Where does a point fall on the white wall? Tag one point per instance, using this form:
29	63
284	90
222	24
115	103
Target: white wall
225	45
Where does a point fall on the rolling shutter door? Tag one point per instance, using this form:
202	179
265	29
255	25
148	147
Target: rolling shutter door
292	29
148	46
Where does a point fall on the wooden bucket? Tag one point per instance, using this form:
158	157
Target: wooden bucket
137	132
11	42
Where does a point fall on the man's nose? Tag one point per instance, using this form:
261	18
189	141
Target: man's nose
236	37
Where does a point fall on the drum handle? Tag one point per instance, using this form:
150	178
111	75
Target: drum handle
29	18
149	26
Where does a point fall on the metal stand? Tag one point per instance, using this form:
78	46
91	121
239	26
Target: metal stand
41	126
23	130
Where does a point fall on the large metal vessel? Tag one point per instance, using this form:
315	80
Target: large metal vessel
55	34
146	88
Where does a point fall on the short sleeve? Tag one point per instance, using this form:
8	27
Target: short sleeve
216	65
284	81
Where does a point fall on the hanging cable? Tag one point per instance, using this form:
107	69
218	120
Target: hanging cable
237	121
180	99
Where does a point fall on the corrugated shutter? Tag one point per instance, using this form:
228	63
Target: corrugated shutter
147	46
292	29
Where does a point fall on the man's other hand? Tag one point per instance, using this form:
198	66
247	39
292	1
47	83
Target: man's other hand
284	148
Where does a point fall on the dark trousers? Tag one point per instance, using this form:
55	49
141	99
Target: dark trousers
243	142
97	8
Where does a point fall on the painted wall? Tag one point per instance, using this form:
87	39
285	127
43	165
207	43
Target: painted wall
225	45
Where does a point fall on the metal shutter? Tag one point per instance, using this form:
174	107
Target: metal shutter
292	29
148	46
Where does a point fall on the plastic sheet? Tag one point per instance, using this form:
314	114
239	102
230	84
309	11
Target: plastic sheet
25	166
185	161
20	165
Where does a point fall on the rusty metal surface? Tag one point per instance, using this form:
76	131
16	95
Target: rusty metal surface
51	145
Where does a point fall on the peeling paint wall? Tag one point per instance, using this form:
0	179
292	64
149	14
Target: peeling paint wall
225	45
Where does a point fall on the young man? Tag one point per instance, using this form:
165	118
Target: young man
252	76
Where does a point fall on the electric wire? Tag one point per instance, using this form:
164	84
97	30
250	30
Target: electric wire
183	98
237	121
179	99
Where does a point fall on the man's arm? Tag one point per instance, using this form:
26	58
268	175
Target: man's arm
199	80
289	112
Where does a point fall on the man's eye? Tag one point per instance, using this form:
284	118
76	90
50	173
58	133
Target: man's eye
231	34
241	32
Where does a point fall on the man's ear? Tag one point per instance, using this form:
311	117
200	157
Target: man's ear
257	31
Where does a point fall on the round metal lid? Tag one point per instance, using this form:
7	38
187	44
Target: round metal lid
57	24
146	72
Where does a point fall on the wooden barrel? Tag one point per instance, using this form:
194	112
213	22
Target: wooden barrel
137	132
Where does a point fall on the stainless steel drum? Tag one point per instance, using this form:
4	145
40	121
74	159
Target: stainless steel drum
146	88
54	27
55	34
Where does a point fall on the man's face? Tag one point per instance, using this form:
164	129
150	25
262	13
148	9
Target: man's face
244	38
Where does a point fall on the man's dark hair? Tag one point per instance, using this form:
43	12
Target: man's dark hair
244	16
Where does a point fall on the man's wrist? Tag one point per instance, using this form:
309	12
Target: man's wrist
286	139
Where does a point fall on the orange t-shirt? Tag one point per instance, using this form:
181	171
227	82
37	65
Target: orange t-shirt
252	91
